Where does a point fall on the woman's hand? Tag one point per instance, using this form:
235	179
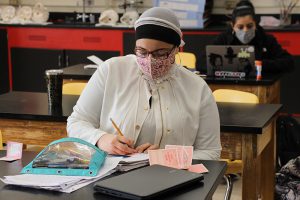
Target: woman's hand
145	147
115	144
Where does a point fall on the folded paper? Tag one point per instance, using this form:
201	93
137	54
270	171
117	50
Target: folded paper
175	156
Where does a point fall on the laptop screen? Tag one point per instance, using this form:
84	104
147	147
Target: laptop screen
230	60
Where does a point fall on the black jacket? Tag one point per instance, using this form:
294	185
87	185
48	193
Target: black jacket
267	49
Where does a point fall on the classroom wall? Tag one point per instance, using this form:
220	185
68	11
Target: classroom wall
76	5
262	6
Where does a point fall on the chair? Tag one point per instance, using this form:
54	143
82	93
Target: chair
236	96
73	88
186	59
37	148
1	141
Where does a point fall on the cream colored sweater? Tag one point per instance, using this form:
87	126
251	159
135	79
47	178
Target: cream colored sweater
184	108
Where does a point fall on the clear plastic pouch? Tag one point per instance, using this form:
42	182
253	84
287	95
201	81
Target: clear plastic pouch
67	156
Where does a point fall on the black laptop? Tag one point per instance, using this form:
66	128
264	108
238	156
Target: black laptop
230	60
147	182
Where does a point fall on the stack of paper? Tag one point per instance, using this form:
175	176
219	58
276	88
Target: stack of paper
97	62
66	184
175	156
69	184
133	161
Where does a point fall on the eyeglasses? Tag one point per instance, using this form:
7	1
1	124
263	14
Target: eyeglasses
158	54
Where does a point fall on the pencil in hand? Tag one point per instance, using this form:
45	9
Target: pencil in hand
116	127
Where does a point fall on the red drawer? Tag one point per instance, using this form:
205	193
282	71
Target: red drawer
83	39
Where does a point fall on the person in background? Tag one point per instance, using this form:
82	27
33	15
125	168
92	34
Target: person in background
245	30
153	100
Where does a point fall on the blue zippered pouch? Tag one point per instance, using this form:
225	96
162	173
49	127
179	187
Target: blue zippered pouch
67	156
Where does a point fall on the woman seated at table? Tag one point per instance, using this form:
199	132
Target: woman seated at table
153	100
244	30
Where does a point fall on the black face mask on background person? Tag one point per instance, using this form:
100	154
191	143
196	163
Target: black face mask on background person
245	37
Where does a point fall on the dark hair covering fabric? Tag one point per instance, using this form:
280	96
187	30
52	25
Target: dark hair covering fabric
160	33
243	8
160	24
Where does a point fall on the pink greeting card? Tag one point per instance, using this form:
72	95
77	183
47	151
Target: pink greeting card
14	151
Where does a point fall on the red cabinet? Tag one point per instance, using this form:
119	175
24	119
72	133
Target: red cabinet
51	38
289	41
74	44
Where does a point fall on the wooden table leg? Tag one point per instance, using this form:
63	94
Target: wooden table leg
1	143
268	169
249	150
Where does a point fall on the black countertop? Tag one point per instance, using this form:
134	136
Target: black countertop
78	72
267	79
34	106
199	191
213	28
246	118
235	117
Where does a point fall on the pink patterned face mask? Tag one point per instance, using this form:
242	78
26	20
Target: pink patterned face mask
156	68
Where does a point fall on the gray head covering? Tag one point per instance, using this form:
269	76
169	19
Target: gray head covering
163	20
